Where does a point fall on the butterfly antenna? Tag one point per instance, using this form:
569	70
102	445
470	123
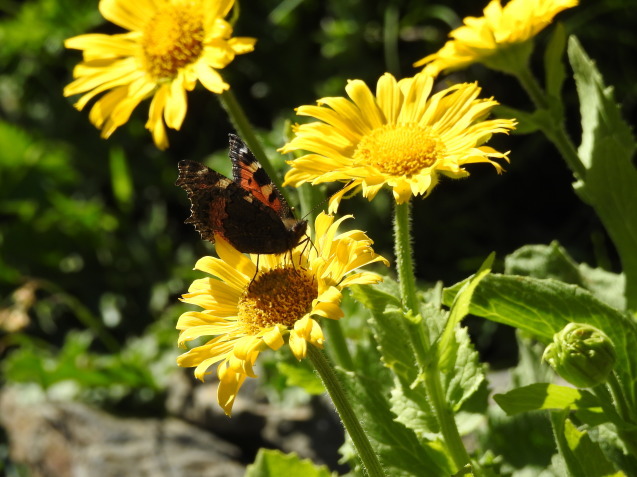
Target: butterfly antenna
308	242
256	272
321	204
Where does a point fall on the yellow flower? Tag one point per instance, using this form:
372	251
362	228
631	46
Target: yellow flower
499	39
169	46
404	137
247	313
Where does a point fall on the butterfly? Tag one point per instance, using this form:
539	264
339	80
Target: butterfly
248	211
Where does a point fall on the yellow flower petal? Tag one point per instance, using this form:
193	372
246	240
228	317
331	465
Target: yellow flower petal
176	106
249	311
229	384
169	46
274	338
230	265
368	110
130	15
364	278
403	138
192	319
103	46
155	124
389	98
197	355
298	345
242	45
211	80
496	39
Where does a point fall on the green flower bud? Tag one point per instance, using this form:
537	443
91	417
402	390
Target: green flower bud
581	354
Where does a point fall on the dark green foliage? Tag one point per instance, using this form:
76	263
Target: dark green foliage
94	228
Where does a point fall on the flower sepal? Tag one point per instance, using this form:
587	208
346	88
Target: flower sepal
511	58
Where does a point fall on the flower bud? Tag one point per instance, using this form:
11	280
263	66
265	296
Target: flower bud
581	354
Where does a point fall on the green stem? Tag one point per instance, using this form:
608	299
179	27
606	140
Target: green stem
532	88
404	261
562	142
243	127
407	281
346	413
619	397
446	419
420	339
606	400
337	344
309	199
554	128
620	412
628	437
390	39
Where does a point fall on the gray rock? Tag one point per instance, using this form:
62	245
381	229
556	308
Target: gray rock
66	439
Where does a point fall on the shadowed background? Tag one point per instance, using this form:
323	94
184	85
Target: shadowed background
93	250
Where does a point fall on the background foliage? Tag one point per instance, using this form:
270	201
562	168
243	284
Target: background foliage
93	249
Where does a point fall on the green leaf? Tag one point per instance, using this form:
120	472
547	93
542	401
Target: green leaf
459	309
300	375
388	326
121	180
274	463
504	439
467	374
400	452
606	151
527	122
553	65
583	457
544	307
408	395
545	396
552	261
396	413
413	409
457	359
530	368
615	449
607	286
466	471
543	261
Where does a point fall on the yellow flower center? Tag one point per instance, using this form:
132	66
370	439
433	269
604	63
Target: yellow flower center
173	38
277	297
400	150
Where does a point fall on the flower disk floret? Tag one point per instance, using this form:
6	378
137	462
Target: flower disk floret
247	311
170	46
404	137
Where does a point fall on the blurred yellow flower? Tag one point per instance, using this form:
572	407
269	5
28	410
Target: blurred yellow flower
247	313
169	46
404	137
487	39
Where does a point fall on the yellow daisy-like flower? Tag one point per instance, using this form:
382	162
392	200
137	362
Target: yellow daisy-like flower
247	313
404	137
497	39
169	46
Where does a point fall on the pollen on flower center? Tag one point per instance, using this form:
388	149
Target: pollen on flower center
278	297
173	38
400	150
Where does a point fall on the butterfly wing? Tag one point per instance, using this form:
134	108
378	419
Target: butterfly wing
251	176
204	187
221	206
